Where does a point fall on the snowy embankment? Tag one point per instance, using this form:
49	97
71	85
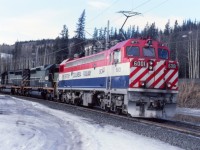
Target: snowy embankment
188	111
29	125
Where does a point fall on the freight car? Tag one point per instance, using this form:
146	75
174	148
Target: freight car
134	77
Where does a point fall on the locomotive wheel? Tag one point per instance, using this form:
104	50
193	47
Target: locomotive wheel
107	109
66	100
76	101
50	98
118	111
44	95
12	91
102	105
63	100
59	97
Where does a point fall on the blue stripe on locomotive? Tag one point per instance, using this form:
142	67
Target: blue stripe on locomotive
120	82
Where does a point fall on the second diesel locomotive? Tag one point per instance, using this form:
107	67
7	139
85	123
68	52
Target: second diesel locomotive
134	77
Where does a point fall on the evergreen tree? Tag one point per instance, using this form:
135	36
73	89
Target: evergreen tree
167	29
145	31
115	34
95	34
61	45
133	31
64	42
153	32
17	55
137	33
80	30
104	33
101	34
79	39
176	27
129	33
111	33
64	33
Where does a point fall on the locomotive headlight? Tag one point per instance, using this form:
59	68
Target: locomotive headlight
142	84
169	85
151	63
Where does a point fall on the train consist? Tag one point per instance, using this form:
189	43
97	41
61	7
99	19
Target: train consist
134	77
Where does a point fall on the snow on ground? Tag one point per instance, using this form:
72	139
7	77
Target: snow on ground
188	111
29	125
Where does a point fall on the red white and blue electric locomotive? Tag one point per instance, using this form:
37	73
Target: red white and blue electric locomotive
134	77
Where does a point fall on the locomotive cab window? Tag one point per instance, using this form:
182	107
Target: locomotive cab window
132	51
116	56
163	53
149	52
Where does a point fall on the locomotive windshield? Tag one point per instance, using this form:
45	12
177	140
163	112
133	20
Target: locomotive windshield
132	51
163	53
149	52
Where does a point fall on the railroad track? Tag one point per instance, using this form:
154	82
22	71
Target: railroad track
177	126
168	124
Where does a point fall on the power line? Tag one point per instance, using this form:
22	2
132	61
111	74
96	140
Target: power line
155	7
104	10
144	3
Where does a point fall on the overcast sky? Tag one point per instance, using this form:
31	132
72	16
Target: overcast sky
23	20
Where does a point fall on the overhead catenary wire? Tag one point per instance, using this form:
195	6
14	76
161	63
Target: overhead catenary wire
160	4
115	20
142	12
138	6
102	12
142	4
